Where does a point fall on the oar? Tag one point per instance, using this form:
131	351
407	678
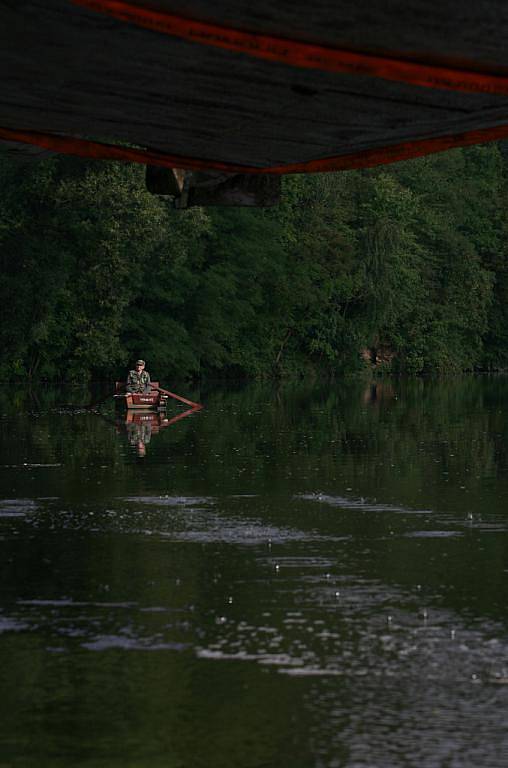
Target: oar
181	416
91	406
179	397
103	399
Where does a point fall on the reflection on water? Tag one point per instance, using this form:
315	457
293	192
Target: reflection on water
140	426
301	577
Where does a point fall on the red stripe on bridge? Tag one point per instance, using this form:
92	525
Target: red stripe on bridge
368	158
305	55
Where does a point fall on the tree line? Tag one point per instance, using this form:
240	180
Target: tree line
403	268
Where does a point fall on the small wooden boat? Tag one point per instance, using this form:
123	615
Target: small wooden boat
151	401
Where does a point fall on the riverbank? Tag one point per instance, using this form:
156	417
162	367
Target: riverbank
406	265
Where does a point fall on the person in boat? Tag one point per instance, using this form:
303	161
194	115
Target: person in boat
138	380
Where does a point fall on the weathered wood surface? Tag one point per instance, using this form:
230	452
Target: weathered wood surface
72	71
461	30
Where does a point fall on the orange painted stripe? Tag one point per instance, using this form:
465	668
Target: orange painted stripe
394	153
299	54
98	150
367	158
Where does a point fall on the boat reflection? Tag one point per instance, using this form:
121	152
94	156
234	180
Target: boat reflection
142	426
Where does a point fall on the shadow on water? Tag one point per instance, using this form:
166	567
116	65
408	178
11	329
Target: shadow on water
295	576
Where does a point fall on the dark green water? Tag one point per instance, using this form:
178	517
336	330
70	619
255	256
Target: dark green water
293	577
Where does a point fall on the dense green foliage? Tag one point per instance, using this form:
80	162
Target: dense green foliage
405	264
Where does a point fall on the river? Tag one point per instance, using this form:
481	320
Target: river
297	576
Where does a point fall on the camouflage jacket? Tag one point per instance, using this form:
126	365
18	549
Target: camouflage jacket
138	381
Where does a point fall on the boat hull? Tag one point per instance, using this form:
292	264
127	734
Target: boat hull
148	401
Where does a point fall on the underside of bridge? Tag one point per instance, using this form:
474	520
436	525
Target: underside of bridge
238	93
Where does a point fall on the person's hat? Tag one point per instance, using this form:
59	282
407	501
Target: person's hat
140	362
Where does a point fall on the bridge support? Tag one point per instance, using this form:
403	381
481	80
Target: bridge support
189	188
